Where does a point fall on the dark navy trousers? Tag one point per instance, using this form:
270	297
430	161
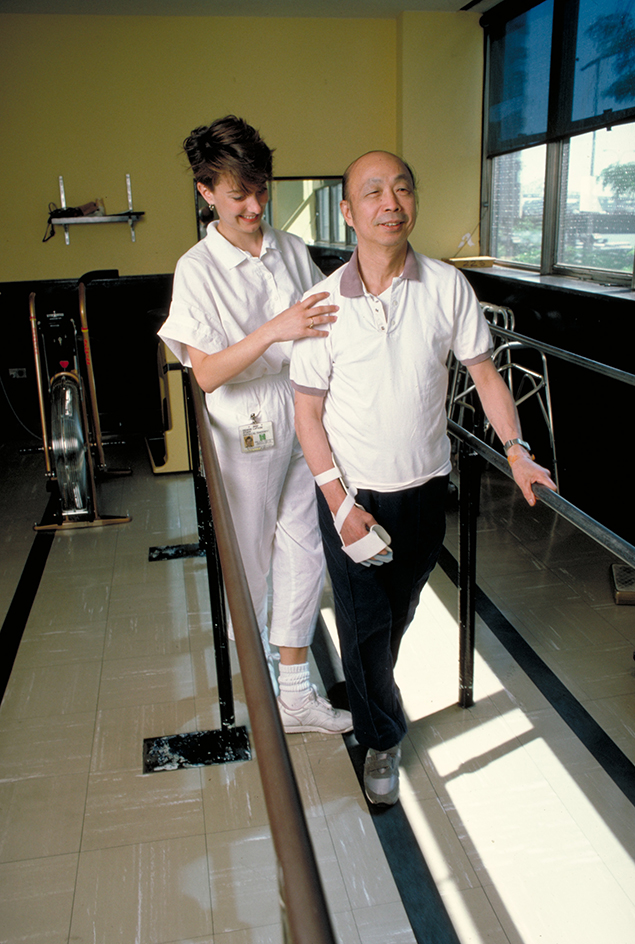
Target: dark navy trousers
375	605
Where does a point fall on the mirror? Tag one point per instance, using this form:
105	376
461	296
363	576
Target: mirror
309	207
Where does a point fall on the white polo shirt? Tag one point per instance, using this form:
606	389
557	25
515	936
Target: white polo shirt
222	293
382	370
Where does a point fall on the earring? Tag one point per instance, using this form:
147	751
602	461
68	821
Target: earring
210	206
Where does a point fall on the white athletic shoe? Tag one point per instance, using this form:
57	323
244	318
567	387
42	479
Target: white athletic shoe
381	775
315	714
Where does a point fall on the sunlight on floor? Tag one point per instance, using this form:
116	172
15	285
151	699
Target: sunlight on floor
527	828
511	817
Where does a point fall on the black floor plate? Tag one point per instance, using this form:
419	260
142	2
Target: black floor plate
199	749
175	551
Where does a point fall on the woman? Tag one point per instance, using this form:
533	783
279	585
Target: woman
233	318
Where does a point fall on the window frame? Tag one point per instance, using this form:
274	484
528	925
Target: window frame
560	130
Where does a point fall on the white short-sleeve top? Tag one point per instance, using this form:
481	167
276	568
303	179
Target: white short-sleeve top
382	370
222	293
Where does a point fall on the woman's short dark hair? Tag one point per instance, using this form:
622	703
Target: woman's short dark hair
229	146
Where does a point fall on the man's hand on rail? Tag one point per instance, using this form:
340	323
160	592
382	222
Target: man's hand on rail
526	472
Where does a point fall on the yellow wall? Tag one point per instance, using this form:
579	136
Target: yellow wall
93	98
440	71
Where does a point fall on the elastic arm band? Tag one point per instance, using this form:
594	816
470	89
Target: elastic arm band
329	476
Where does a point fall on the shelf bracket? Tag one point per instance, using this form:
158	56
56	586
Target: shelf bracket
63	206
131	217
132	222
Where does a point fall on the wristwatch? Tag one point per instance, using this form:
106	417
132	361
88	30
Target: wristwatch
516	442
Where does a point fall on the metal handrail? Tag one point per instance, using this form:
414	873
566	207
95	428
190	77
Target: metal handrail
608	539
305	914
614	372
471	448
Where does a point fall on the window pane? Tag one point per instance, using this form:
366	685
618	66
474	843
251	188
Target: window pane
323	212
518	188
605	58
339	225
597	212
520	54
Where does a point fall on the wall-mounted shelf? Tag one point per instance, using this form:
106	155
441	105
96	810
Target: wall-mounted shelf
130	216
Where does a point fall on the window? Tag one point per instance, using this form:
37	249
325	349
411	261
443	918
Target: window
559	168
307	207
310	208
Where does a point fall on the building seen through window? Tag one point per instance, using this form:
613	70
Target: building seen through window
559	178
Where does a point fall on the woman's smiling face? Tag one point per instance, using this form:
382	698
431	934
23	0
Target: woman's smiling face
239	212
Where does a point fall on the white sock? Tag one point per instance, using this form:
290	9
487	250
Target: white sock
295	683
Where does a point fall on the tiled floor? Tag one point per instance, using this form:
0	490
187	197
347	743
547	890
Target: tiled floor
527	837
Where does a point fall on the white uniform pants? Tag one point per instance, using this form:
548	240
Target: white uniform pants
271	497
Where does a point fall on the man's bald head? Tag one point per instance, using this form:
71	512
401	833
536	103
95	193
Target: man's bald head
360	161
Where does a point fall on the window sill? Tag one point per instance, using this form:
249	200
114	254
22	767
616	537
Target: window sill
562	282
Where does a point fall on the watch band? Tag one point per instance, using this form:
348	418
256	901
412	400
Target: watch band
516	442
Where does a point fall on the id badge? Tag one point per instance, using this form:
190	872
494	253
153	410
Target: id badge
256	436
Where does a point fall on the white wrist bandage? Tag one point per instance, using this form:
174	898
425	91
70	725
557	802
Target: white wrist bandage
367	550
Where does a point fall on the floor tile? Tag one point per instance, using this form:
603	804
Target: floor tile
244	881
146	681
125	807
155	891
575	910
573	626
36	899
146	634
36	747
333	882
54	645
233	797
72	606
598	673
41	816
51	690
379	924
345	928
257	935
356	844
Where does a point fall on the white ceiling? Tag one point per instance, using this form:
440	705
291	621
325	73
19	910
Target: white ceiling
326	8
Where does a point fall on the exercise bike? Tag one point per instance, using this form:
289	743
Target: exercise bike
71	431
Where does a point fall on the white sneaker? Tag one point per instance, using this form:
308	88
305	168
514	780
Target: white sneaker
315	714
381	775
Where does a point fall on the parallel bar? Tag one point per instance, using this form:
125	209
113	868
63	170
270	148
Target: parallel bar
207	539
470	448
469	487
608	539
614	372
304	901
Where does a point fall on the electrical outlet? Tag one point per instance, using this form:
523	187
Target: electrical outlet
17	373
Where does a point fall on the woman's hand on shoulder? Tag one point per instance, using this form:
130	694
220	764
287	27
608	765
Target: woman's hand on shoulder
303	319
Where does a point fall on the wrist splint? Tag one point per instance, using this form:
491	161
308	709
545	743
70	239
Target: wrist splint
367	550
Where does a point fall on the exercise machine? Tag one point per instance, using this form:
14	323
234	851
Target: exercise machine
71	431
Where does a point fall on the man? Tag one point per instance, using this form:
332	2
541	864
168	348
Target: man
370	416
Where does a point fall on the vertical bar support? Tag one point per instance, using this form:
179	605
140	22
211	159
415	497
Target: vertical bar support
207	539
469	489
